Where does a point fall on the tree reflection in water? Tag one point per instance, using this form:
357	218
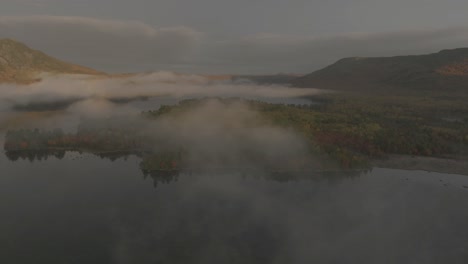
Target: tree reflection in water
33	155
168	176
161	176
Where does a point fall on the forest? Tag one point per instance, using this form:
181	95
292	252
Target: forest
348	131
355	129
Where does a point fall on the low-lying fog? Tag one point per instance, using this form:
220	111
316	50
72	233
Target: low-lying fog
211	131
81	95
54	205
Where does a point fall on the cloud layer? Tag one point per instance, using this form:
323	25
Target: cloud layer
102	43
300	53
115	45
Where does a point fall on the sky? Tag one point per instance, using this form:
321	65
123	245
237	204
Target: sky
242	36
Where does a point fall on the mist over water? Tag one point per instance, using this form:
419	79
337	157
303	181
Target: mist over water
86	209
213	132
81	208
64	99
71	88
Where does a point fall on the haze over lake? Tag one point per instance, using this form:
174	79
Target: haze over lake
82	208
243	132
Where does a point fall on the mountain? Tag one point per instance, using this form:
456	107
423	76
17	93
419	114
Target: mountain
21	64
447	69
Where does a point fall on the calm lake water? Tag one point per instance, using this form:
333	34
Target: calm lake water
84	209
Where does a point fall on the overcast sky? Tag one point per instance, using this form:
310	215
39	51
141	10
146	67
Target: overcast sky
235	36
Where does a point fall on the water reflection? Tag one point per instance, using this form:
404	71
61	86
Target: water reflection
167	176
51	208
164	177
33	155
44	154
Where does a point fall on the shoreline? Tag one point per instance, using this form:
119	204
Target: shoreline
430	164
455	165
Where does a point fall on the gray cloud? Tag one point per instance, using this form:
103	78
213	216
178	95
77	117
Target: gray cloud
303	54
102	43
117	45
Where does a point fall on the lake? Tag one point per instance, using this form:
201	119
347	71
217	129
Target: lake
85	209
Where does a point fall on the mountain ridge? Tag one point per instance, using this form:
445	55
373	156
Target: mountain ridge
446	69
21	64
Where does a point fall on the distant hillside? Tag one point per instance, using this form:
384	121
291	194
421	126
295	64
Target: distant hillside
19	63
266	79
279	79
446	70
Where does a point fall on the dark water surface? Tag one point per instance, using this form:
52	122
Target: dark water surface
84	209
